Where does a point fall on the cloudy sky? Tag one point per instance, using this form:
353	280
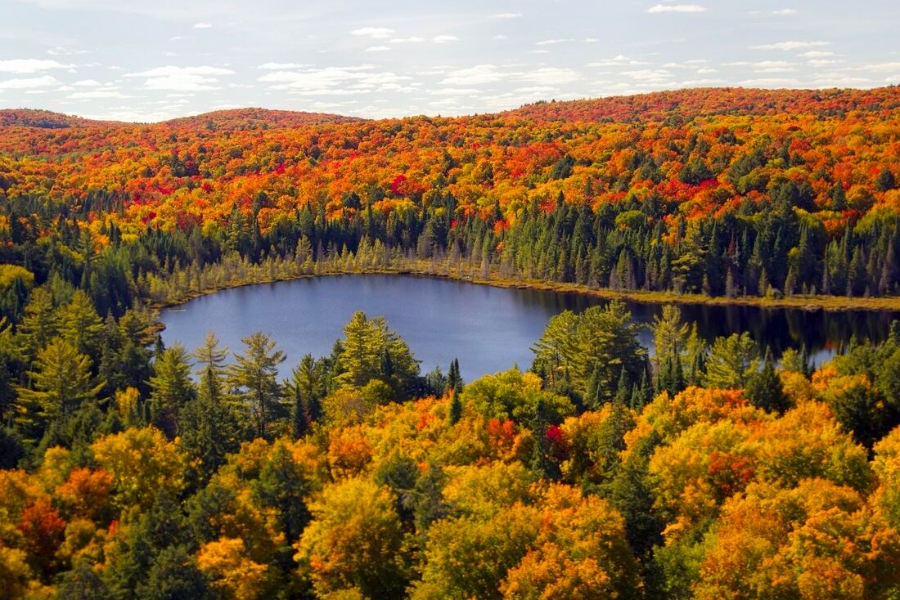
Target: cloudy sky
157	59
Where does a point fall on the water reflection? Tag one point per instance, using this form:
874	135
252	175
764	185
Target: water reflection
488	329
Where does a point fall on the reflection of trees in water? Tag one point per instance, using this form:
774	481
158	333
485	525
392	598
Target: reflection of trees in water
774	328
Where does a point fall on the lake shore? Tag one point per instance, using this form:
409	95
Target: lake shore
429	269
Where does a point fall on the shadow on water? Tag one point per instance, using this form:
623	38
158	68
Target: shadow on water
489	329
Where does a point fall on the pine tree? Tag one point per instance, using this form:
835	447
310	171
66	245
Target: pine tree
171	388
454	379
456	407
765	391
253	378
61	382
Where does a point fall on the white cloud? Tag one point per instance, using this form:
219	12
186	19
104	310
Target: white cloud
378	49
508	15
378	33
554	42
455	92
702	82
832	80
170	70
618	61
773	66
677	8
202	25
28	83
30	65
500	36
816	54
649	75
476	75
769	82
410	40
333	81
784	12
61	51
87	83
549	76
535	89
791	45
443	39
882	67
706	71
182	79
820	62
273	66
97	94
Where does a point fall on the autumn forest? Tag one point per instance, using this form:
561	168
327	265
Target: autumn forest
705	469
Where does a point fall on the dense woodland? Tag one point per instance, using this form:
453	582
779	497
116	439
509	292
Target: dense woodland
709	470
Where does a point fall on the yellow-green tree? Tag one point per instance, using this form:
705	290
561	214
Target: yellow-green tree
61	381
354	541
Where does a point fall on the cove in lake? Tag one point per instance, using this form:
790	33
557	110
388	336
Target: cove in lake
488	329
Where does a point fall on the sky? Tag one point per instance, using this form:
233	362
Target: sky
161	59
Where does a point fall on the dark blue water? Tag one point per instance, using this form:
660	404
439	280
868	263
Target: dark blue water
487	329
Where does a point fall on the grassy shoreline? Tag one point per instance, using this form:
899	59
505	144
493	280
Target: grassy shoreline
796	302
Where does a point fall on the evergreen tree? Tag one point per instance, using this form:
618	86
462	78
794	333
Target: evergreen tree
765	391
456	407
253	381
171	388
61	381
454	379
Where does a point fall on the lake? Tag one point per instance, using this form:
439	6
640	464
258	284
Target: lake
488	329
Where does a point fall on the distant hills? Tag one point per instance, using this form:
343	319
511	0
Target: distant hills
721	191
234	119
652	106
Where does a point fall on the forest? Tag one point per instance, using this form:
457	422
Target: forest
129	469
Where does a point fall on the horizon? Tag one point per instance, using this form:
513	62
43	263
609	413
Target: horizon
404	59
415	116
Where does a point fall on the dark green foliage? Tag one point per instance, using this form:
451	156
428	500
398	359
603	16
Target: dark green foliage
82	583
282	486
765	391
456	407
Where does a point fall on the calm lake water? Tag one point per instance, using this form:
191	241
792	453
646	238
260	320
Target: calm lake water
488	329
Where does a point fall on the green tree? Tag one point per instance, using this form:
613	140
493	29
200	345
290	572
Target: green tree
765	391
40	323
60	383
171	388
80	324
669	333
306	388
372	351
591	350
731	362
253	381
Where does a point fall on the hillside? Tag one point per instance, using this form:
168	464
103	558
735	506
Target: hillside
713	102
716	191
241	119
43	119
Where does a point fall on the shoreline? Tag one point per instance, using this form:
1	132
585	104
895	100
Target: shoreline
796	302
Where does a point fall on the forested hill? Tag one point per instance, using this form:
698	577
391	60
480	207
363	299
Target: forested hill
688	104
231	119
724	192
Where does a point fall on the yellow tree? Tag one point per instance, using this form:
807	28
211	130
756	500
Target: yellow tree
142	462
231	571
353	541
